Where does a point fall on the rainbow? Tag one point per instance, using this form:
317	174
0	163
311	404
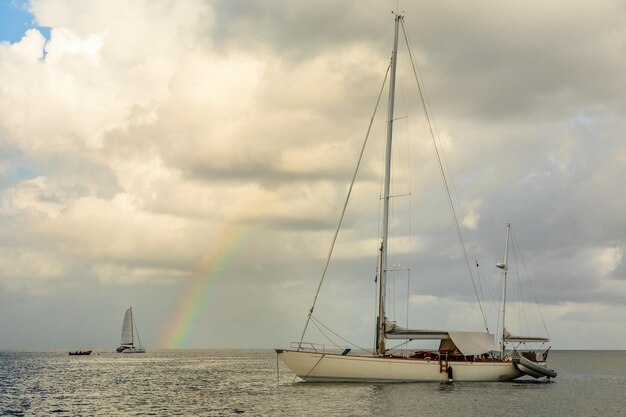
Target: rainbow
197	291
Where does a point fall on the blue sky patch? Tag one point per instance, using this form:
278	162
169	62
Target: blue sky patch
15	20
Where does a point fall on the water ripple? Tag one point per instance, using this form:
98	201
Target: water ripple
244	382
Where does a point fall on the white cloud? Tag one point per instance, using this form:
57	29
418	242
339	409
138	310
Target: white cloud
470	220
34	196
143	128
35	265
607	259
67	45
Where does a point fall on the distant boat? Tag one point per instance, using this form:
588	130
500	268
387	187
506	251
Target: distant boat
129	328
81	352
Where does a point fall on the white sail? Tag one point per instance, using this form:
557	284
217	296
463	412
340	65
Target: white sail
127	328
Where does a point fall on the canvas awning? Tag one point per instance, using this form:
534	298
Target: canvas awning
473	343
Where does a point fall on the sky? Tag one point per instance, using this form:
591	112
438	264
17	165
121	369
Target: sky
191	159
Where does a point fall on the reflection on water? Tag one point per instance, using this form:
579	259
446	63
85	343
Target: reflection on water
246	382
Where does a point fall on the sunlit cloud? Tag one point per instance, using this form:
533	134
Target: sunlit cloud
137	130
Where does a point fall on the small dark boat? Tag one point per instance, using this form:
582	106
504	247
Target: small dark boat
81	352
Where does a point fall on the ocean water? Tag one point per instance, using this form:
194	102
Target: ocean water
249	382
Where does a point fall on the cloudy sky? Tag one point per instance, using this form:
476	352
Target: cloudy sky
191	159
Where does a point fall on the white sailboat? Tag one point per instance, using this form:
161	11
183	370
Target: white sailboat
461	356
129	329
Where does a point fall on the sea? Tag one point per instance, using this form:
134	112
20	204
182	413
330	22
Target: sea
254	383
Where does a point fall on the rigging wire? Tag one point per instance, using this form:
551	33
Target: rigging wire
532	288
443	175
408	178
480	284
345	206
521	305
380	227
406	169
318	323
499	318
492	299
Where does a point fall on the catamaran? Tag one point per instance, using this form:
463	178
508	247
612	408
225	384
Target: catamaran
129	328
461	356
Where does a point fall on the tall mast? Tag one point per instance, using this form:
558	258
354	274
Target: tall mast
505	268
385	229
132	330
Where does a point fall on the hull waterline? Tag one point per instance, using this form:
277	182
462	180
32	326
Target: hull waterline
327	367
133	351
81	353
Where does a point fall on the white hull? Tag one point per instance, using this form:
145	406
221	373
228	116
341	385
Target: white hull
315	366
133	351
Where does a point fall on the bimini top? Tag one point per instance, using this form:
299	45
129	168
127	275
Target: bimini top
468	343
